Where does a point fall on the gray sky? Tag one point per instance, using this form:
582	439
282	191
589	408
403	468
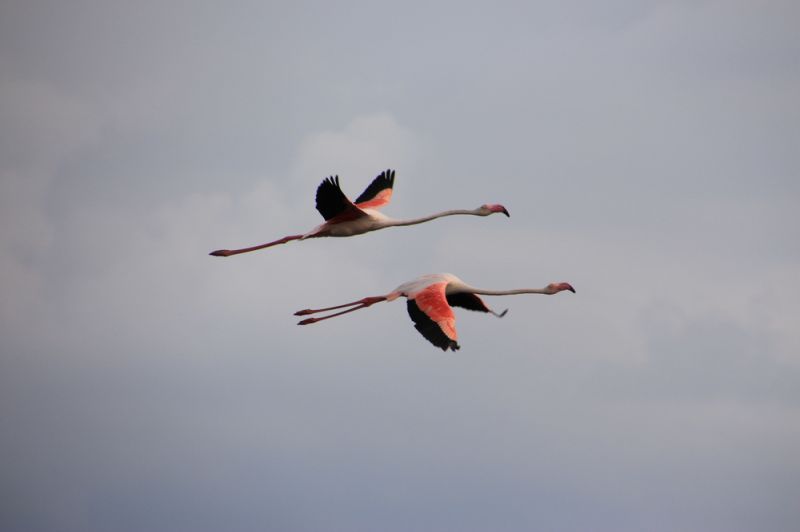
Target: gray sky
648	152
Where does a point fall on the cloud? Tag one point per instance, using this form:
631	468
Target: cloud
42	128
367	145
709	357
645	154
102	265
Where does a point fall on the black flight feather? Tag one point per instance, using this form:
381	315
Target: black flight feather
468	301
382	182
429	328
331	201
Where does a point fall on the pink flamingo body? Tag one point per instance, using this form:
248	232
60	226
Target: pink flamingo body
347	218
431	299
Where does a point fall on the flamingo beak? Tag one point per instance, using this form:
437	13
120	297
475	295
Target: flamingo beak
567	286
499	208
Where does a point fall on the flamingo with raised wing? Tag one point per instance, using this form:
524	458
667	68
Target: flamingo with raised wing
431	299
347	218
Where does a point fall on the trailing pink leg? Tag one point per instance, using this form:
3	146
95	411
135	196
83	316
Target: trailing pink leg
361	303
229	252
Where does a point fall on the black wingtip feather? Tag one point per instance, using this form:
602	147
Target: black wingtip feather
382	182
468	301
430	329
330	200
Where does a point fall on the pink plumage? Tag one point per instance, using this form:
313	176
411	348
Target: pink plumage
431	299
347	218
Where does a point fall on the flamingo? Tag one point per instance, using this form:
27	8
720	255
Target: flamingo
430	301
346	218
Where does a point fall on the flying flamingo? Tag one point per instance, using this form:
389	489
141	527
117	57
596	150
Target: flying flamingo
430	301
346	218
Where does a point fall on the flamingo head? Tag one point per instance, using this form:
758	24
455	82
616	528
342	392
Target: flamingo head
554	288
491	208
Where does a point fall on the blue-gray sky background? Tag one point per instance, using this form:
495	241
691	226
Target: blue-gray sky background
649	153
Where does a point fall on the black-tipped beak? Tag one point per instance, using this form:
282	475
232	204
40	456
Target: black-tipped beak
566	286
505	211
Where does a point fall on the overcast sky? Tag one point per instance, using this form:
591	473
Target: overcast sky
648	152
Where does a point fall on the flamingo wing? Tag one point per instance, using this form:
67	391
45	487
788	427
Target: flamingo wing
468	301
378	193
433	317
471	301
332	203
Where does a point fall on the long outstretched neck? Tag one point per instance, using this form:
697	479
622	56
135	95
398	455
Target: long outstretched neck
356	305
423	219
552	288
511	292
229	252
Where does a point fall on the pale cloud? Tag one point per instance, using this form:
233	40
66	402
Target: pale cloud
367	145
42	128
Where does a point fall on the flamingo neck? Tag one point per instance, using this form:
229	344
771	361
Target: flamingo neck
423	219
512	292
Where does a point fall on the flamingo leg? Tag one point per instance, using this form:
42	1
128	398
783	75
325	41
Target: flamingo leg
229	252
357	305
363	301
